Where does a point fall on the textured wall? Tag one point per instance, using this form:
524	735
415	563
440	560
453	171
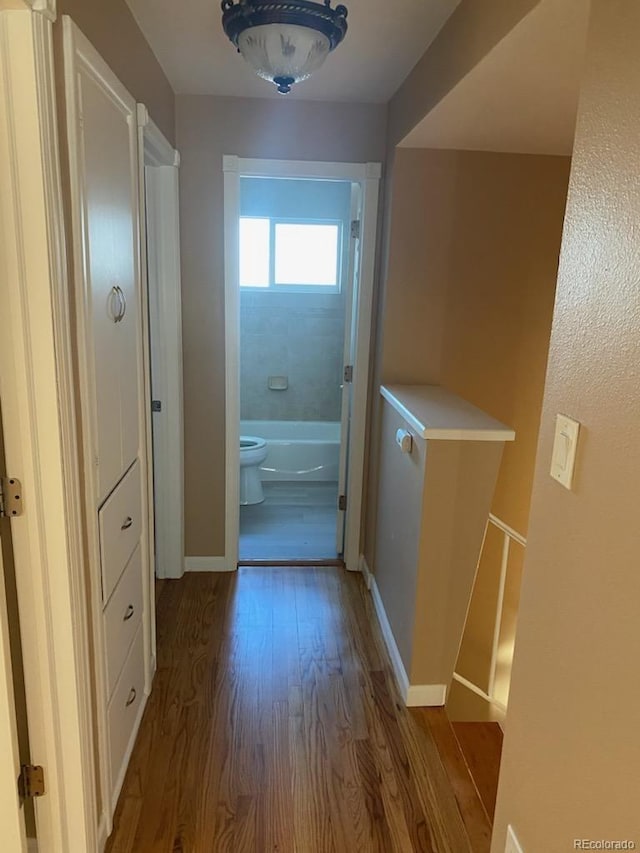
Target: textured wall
207	128
571	759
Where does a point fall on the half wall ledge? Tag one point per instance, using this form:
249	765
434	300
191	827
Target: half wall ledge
439	462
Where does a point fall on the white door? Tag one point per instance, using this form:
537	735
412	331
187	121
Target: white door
108	157
165	347
14	836
350	326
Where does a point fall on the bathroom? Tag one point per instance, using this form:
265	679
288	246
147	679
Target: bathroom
294	278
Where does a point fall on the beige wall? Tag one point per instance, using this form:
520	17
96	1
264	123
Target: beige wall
469	34
207	128
473	254
572	752
113	31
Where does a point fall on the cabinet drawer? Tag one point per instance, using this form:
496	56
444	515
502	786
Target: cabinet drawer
122	616
120	524
123	708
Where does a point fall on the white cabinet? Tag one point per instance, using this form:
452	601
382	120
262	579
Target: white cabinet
120	525
104	171
108	184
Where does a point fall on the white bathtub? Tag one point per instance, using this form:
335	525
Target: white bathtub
297	450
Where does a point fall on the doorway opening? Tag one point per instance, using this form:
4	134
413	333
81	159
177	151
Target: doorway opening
297	258
299	263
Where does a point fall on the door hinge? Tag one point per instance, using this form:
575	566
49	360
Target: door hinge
31	781
342	503
355	228
348	373
10	497
156	405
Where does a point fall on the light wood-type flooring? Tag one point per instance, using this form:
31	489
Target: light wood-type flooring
297	521
274	725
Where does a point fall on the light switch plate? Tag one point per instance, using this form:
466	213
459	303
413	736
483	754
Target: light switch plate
565	445
513	845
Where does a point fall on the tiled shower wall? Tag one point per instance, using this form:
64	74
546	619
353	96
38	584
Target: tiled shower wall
295	335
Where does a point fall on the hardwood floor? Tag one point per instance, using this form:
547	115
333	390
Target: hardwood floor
481	745
274	725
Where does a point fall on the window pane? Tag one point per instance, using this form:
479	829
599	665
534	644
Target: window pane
254	252
306	254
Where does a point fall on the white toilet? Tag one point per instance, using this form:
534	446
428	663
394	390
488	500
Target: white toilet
253	452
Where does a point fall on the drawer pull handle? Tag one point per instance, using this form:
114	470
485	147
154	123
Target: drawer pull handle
128	613
132	697
126	524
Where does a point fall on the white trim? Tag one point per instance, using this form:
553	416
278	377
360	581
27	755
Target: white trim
39	428
347	358
148	542
475	689
435	413
361	365
426	695
511	533
497	626
413	695
232	358
103	834
302	169
366	574
208	564
46	8
367	175
164	333
402	679
158	151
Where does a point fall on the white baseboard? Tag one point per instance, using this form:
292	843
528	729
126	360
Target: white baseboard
364	568
426	695
413	695
102	833
207	564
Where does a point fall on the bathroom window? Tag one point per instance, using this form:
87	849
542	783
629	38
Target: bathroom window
290	254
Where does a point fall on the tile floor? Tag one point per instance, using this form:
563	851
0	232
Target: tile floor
297	521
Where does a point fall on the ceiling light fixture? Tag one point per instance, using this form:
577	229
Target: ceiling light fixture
284	41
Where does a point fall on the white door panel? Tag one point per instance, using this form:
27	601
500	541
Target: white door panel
110	250
348	359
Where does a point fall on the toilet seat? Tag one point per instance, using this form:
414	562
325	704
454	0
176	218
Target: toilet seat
253	452
251	442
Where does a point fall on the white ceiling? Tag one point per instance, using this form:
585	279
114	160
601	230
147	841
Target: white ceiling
384	41
523	96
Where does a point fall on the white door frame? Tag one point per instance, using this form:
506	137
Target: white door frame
347	358
40	433
162	321
367	175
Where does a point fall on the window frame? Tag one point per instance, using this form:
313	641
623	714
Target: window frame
272	286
